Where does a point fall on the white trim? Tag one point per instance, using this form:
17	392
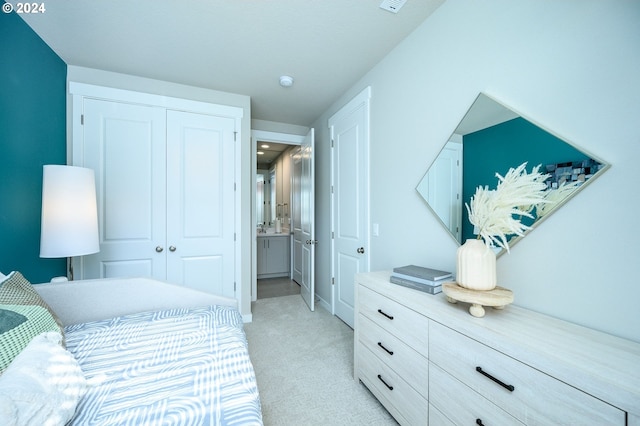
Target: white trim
237	148
266	136
168	102
286	138
361	98
327	306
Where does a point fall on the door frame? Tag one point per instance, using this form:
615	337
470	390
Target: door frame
263	136
362	98
307	213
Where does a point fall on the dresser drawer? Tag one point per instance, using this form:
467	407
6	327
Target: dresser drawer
534	399
406	362
407	325
436	418
463	406
402	401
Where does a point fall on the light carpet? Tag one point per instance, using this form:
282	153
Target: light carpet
304	367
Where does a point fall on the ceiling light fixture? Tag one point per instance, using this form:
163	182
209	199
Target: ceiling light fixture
260	153
286	81
264	145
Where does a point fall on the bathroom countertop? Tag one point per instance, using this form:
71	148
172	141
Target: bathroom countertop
284	233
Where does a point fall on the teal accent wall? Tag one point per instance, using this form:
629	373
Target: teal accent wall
498	148
32	133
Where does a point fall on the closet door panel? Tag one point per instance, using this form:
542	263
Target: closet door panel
204	273
125	145
201	168
200	201
296	214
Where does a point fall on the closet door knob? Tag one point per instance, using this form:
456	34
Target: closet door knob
159	249
360	250
172	248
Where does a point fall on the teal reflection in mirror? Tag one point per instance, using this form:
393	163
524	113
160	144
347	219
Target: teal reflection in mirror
490	139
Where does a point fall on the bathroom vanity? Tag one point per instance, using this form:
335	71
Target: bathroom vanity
274	254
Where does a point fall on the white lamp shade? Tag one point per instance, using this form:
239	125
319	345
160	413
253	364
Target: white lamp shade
69	212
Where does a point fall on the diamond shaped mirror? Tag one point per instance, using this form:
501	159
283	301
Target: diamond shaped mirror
490	139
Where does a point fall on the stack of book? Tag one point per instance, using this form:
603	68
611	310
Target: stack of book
420	278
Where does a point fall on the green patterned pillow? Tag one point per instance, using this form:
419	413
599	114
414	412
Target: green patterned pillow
16	290
13	340
10	320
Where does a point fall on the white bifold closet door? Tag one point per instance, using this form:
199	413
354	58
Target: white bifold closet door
166	196
200	201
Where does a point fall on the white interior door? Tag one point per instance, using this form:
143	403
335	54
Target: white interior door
307	225
443	187
349	129
296	215
125	145
200	202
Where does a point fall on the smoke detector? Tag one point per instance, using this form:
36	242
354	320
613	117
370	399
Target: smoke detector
286	81
392	5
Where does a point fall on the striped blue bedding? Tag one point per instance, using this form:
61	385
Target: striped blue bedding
172	367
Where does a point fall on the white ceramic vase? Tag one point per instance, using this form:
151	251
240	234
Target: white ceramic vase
476	266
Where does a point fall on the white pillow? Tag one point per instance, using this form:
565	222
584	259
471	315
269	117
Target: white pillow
42	385
2	276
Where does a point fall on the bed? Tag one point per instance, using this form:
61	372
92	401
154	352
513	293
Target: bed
151	353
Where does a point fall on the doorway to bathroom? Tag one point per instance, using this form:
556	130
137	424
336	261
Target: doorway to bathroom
283	194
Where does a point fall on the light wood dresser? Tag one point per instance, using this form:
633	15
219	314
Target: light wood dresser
431	363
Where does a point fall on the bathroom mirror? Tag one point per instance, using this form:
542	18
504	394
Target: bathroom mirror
266	196
490	139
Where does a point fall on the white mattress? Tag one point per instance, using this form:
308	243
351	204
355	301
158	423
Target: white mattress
173	367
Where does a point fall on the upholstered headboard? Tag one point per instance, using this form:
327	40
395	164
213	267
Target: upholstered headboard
88	300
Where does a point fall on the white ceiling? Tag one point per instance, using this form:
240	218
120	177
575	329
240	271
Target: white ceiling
238	46
270	152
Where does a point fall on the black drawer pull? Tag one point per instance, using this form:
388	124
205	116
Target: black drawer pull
385	383
510	388
386	315
382	346
479	422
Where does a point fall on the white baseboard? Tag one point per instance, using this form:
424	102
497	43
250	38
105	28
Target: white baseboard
326	305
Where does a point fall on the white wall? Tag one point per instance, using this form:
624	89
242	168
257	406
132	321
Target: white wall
145	85
573	67
273	126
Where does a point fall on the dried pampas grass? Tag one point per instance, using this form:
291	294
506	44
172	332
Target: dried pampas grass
498	213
